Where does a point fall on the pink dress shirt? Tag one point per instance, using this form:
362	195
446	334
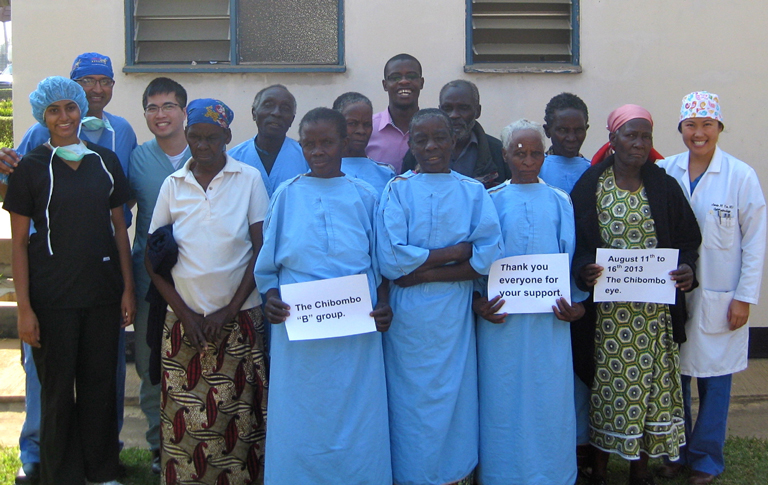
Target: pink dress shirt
387	144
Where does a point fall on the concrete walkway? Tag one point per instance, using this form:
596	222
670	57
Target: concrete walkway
748	414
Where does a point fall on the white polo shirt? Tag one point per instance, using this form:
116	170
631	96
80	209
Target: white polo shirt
211	230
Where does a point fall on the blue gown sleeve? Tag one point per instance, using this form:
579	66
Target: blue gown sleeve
396	257
487	245
480	285
35	136
373	207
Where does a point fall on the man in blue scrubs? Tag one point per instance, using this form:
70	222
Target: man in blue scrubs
277	157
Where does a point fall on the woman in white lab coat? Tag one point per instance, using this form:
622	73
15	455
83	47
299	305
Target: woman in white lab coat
726	197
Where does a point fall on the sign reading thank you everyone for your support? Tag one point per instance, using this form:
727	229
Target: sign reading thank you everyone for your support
531	283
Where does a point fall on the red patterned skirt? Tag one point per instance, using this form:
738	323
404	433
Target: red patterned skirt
214	407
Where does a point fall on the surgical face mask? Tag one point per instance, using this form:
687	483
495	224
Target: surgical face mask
93	123
72	153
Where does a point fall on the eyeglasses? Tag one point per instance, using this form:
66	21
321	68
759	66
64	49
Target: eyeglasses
397	77
105	82
152	109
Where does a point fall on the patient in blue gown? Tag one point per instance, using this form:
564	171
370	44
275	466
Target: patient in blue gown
566	121
358	111
437	232
328	398
527	416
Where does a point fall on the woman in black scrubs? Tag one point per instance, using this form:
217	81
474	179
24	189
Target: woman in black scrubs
74	285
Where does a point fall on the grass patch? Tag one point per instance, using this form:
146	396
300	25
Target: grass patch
136	460
745	459
9	464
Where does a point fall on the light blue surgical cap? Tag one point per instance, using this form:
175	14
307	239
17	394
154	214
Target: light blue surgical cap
53	89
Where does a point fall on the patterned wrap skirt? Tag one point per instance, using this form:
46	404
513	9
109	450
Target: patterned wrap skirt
637	400
214	407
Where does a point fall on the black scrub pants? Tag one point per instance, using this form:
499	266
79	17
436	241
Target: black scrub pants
76	363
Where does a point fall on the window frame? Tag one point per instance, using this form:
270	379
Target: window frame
574	67
132	66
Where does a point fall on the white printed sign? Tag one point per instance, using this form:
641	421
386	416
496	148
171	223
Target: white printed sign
636	275
530	283
335	307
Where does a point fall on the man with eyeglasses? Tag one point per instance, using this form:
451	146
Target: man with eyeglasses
276	156
93	71
403	83
165	109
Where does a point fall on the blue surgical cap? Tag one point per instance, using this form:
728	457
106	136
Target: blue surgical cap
91	63
53	89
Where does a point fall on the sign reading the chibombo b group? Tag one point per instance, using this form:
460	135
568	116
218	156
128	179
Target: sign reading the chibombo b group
335	307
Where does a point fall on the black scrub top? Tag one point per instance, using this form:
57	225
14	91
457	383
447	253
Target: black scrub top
84	267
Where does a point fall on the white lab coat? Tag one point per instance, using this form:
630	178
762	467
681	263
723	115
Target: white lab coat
730	209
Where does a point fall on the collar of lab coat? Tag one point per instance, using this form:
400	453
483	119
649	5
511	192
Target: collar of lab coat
714	165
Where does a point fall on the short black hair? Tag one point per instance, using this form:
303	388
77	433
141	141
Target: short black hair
260	94
402	57
164	85
680	126
350	98
427	113
325	114
464	84
565	101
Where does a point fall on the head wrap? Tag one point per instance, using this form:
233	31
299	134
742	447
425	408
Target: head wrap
208	110
91	63
53	89
701	104
618	118
621	115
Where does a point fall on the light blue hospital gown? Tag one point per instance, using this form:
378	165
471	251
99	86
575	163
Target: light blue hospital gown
327	419
430	350
375	173
563	172
289	163
527	418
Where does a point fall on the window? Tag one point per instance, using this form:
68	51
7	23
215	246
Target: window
234	35
522	36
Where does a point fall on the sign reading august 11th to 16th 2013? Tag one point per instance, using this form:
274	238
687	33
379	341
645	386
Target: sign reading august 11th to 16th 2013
640	275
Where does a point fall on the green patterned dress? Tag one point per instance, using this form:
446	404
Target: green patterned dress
636	402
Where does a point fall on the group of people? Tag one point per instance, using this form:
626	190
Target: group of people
449	390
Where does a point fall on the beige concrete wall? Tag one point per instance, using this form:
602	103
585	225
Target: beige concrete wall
650	53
